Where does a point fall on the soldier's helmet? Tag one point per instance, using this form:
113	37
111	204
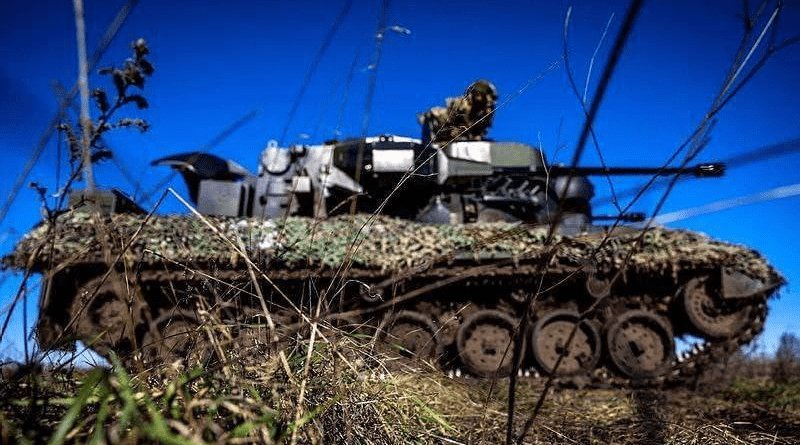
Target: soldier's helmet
485	87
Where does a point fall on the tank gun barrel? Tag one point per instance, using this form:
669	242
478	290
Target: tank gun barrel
709	170
625	217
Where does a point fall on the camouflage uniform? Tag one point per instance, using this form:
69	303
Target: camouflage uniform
464	118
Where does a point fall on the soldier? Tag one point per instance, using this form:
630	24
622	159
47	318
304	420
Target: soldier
465	118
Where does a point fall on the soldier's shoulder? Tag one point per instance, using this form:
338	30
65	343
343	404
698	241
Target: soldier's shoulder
436	111
456	101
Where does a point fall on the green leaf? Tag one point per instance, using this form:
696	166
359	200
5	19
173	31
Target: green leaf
102	414
311	414
87	388
129	409
432	414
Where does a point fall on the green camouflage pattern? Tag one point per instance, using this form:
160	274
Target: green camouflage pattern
375	243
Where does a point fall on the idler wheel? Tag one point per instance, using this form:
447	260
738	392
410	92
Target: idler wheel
549	341
175	335
106	322
411	333
486	343
714	317
640	344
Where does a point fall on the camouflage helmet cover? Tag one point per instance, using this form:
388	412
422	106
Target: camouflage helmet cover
484	86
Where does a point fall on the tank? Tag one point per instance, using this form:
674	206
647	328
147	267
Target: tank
444	253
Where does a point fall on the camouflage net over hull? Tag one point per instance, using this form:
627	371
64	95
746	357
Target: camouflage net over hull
380	243
455	282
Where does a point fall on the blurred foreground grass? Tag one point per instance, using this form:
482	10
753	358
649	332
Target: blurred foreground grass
340	391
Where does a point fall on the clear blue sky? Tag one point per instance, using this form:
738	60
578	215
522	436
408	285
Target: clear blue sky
216	61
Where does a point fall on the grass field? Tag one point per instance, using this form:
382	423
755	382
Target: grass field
341	392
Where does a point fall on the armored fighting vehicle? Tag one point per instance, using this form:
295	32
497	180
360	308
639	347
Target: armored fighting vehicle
446	253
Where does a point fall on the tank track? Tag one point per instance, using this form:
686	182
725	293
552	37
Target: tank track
453	294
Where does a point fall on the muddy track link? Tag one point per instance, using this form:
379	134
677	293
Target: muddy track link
454	295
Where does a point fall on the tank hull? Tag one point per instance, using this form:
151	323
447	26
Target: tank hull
595	307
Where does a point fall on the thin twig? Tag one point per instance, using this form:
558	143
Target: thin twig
625	31
594	57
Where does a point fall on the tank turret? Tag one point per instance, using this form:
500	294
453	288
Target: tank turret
459	182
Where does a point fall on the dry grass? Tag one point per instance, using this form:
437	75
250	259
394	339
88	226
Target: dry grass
353	395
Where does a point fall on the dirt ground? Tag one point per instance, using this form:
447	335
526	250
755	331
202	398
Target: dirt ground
661	416
431	408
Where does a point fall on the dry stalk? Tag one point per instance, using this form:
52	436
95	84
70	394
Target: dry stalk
302	393
83	85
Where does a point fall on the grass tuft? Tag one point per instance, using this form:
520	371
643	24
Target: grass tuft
356	395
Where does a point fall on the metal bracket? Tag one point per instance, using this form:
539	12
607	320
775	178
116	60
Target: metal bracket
736	285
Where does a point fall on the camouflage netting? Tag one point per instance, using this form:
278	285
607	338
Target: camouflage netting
381	243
